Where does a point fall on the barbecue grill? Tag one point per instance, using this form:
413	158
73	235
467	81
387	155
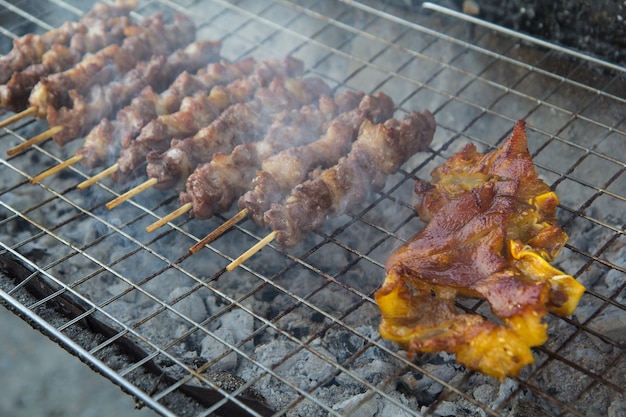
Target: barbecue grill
294	331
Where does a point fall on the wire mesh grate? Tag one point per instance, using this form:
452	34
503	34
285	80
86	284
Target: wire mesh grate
294	332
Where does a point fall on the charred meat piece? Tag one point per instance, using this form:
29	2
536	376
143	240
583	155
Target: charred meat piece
490	234
379	150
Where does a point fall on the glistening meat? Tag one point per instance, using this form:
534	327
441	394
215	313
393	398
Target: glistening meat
491	232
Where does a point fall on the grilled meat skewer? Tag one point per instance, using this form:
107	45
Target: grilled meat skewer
14	94
30	48
242	122
150	105
109	135
150	37
196	112
283	171
379	151
205	107
102	100
214	186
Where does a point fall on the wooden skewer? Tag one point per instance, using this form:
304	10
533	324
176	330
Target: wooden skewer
34	140
176	213
219	231
131	193
91	181
56	169
9	120
254	249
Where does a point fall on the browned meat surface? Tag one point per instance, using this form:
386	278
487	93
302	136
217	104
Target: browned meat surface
29	49
241	122
283	171
150	37
490	234
157	134
102	142
103	100
14	94
379	150
214	186
201	109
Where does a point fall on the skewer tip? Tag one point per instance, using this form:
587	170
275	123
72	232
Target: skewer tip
219	231
131	193
91	181
254	249
35	140
56	169
18	116
173	215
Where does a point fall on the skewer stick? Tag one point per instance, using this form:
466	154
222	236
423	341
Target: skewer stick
91	181
176	213
219	231
9	120
254	249
56	169
131	193
35	140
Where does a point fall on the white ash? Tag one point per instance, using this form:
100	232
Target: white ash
191	306
234	326
362	405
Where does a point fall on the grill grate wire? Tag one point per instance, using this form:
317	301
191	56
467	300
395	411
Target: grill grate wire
477	89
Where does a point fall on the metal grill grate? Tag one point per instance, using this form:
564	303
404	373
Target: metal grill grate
304	333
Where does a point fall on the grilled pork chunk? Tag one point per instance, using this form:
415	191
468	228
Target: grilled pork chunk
491	232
